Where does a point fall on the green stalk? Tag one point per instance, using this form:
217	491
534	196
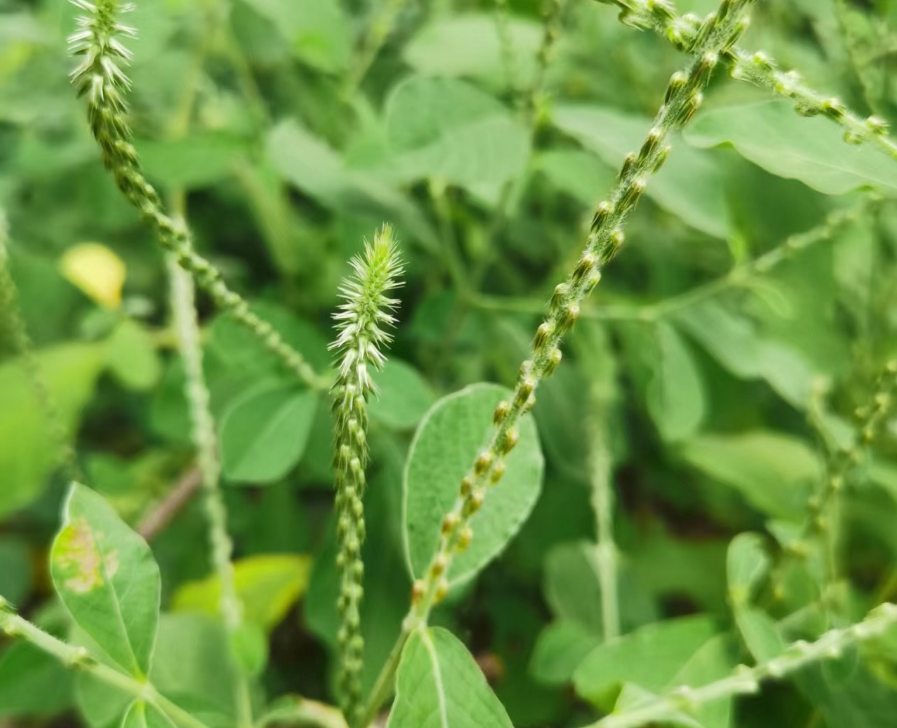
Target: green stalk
746	680
78	658
362	322
758	69
683	97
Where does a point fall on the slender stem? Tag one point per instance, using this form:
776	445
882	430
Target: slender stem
383	687
747	680
78	658
174	502
602	505
378	33
506	44
682	99
740	276
758	69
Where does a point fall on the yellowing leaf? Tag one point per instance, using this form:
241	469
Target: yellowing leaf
267	585
97	271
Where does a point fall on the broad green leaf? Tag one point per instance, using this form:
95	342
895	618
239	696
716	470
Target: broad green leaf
318	32
571	585
714	660
747	564
32	683
578	173
448	130
106	577
773	471
469	45
735	343
264	431
649	657
27	451
131	356
439	684
312	166
267	586
404	396
676	393
197	161
446	443
689	186
141	715
559	651
773	136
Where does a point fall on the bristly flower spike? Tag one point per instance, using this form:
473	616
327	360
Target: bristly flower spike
101	79
363	323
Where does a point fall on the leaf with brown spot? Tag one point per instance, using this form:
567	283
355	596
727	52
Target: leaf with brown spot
106	577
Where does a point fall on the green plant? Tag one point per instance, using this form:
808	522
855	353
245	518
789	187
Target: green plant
687	523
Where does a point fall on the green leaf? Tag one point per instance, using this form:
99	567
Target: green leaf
649	657
318	32
571	585
197	161
106	577
813	151
772	471
446	443
268	586
313	167
747	564
440	684
264	432
560	650
712	661
15	575
404	396
448	130
141	715
578	173
131	356
469	45
32	683
27	452
689	186
675	394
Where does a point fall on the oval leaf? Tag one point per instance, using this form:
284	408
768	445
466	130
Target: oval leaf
439	684
264	432
772	136
446	442
106	577
676	393
404	396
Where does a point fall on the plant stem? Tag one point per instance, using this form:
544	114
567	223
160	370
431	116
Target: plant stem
739	276
378	32
746	680
602	505
682	99
77	658
758	69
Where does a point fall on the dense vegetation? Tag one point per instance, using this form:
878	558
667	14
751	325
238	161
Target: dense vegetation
468	363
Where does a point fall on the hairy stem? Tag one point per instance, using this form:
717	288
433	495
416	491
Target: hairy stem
746	680
683	97
78	658
758	69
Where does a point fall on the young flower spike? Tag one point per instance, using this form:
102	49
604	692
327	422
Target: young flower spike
363	321
100	77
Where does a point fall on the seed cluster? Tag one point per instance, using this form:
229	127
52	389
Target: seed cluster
101	79
362	320
716	36
757	68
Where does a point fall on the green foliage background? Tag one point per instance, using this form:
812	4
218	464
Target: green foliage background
716	387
